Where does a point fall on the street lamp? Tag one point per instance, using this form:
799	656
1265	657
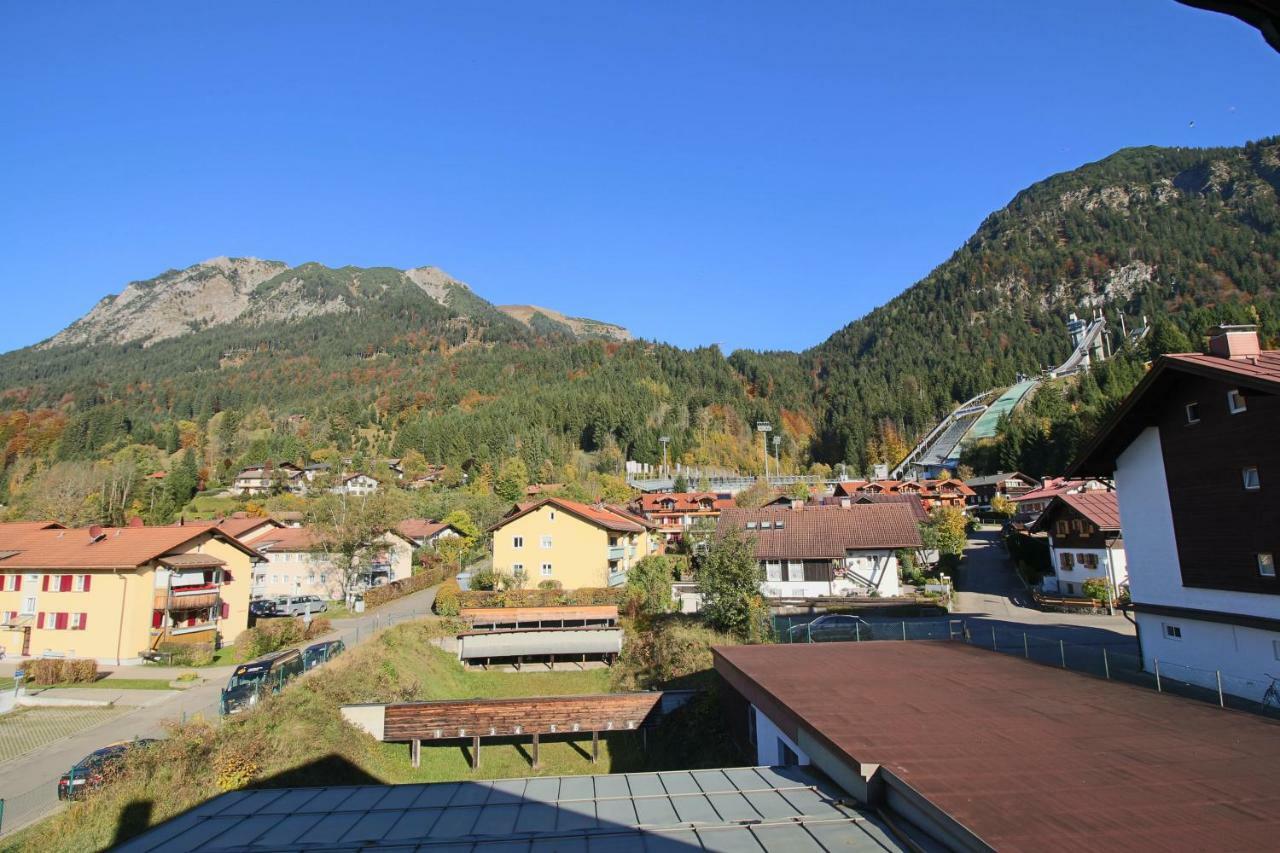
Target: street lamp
764	427
664	441
777	462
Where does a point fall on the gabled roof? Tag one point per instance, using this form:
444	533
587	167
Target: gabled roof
237	525
1100	507
609	518
682	501
348	478
824	532
112	548
422	528
1051	487
1259	373
18	526
291	539
996	479
913	501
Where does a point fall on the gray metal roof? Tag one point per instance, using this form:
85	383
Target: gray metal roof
743	809
565	641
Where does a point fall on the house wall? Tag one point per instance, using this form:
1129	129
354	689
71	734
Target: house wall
769	741
1155	578
880	568
578	554
117	609
236	592
1112	567
298	573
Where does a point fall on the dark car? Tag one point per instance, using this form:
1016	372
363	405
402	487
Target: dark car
318	653
250	681
94	770
263	606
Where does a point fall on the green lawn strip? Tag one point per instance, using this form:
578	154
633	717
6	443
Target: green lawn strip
113	684
6	683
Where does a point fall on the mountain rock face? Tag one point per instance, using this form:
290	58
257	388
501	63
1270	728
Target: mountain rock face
539	319
250	292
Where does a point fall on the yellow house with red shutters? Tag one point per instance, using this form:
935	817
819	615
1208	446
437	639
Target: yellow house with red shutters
116	594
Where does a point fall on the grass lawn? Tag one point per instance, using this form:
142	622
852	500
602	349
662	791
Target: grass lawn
117	684
210	506
6	683
224	656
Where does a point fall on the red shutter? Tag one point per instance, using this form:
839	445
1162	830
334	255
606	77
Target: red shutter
226	576
60	622
40	619
84	620
44	583
157	618
66	584
87	579
224	610
17	583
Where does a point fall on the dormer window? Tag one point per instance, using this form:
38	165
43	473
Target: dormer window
1193	413
1267	565
1251	480
1235	402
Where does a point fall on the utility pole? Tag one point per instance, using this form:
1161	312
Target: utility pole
763	427
664	441
777	462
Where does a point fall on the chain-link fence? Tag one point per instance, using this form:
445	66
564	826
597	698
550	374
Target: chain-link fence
842	628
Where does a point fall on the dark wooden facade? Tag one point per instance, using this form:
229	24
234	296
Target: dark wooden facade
1220	526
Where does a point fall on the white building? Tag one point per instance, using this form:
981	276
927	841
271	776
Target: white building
263	479
1085	543
808	551
298	563
1195	452
356	484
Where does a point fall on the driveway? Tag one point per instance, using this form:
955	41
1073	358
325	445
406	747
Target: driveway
989	594
28	784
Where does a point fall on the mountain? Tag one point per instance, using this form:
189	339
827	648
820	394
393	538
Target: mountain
251	359
541	319
256	293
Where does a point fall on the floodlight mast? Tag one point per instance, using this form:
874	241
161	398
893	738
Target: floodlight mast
763	427
664	441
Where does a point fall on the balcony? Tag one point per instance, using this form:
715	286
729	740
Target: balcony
617	579
617	552
201	597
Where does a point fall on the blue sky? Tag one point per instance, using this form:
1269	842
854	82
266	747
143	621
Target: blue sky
749	174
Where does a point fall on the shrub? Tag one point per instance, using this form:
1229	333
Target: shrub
59	671
268	636
616	596
649	585
550	583
318	628
447	599
188	676
1097	589
188	654
669	647
424	579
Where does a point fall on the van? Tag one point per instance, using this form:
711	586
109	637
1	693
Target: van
266	675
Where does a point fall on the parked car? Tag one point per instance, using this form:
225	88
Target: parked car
318	653
297	605
94	770
831	627
251	681
263	606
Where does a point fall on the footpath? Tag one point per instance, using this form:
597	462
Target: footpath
28	783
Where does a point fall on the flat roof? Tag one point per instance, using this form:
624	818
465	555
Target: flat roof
779	809
1026	756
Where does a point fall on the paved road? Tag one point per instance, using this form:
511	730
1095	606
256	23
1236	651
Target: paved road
28	783
989	593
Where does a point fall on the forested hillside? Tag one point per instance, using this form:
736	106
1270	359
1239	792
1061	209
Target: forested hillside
241	361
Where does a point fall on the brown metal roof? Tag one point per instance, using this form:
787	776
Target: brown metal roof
824	532
1028	757
192	561
610	518
1100	507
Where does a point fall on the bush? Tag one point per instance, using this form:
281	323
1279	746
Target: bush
616	596
424	579
188	654
318	628
59	671
649	585
669	647
1097	589
269	635
447	599
550	583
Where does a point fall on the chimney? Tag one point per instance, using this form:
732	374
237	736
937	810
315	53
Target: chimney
797	504
135	522
846	503
1234	342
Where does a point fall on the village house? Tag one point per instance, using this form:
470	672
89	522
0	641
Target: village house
574	544
116	594
1011	485
423	532
357	485
1196	462
241	525
297	562
811	551
932	493
1030	504
266	479
675	512
1085	543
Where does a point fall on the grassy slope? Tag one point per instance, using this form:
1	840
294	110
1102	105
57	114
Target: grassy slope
300	738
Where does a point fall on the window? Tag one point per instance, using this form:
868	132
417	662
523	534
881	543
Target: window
78	584
546	541
1193	413
12	583
795	571
779	524
546	570
1063	528
751	710
1071	589
773	571
517	568
77	621
517	541
1067	561
1267	565
1172	632
28	605
751	525
324	579
1235	402
553	515
1089	561
1251	481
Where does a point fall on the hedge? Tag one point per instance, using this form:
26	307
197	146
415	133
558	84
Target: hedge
428	577
446	603
541	597
59	671
271	635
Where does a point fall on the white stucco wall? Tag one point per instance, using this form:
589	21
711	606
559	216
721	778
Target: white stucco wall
1080	573
1243	655
768	737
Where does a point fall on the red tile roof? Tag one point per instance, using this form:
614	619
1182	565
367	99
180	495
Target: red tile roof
913	501
291	539
824	532
614	518
1100	507
30	525
114	548
682	501
237	525
974	732
422	528
1052	487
